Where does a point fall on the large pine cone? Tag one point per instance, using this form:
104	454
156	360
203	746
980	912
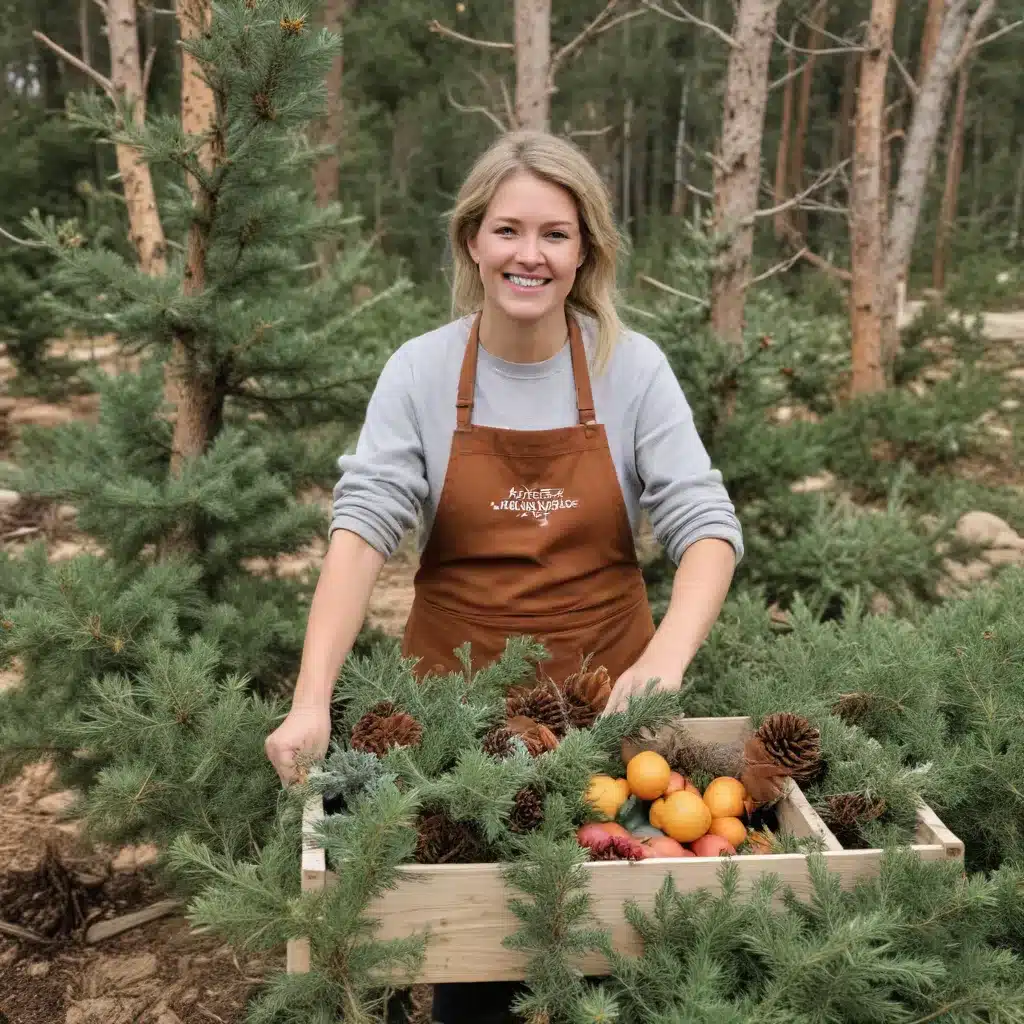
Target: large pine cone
791	741
383	727
846	814
586	694
537	737
527	811
498	743
542	702
442	840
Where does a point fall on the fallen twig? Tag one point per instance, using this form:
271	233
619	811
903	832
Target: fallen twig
114	926
15	931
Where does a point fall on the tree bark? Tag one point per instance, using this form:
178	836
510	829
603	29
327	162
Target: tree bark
865	201
533	59
737	172
326	175
819	16
925	126
782	221
930	36
190	383
951	191
627	169
147	233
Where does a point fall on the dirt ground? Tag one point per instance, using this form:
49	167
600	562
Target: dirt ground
54	885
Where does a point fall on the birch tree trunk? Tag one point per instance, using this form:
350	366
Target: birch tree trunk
679	157
951	191
865	201
194	389
147	233
738	169
533	60
925	126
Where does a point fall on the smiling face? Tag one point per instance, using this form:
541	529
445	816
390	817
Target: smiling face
528	249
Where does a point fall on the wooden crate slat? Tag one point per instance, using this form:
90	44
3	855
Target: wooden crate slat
931	829
796	815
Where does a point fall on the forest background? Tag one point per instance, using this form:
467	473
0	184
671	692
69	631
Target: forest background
824	207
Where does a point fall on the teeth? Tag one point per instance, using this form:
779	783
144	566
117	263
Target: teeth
526	282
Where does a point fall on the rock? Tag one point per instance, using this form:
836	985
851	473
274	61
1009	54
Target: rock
821	482
56	803
163	1014
1009	405
987	530
39	414
132	858
66	513
8	499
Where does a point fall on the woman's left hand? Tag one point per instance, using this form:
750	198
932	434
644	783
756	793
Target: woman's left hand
635	679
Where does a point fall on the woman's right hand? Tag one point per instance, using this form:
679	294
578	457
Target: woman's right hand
306	729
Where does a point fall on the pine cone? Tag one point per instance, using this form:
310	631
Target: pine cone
441	840
383	727
792	742
853	707
498	743
762	778
586	694
847	813
542	702
538	738
527	811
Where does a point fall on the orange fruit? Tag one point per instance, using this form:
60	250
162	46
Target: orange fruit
684	817
654	815
648	774
731	829
607	794
725	797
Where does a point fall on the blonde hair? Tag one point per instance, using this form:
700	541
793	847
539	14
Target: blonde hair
562	163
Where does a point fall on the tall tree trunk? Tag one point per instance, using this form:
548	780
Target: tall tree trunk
679	157
533	59
84	40
147	233
782	219
194	390
918	151
1017	212
977	162
865	201
326	174
930	36
797	152
627	168
954	166
738	169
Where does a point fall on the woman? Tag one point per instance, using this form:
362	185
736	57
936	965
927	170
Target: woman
529	435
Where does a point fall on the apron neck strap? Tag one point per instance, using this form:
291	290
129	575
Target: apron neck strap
581	375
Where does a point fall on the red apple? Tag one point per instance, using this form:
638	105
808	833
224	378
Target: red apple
711	845
662	846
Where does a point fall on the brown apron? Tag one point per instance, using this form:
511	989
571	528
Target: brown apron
531	537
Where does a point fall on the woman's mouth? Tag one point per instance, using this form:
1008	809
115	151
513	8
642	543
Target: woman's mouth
526	282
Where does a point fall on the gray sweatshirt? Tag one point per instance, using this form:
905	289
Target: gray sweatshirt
393	479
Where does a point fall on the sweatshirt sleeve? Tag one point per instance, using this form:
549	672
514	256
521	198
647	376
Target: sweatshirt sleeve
684	498
384	482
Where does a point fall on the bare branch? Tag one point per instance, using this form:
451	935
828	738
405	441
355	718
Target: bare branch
102	5
147	70
787	45
27	242
619	20
824	32
981	15
581	133
443	30
672	291
999	32
687	18
463	109
908	78
783	79
698	191
104	83
779	267
823	179
823	264
591	29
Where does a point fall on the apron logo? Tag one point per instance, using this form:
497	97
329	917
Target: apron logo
535	504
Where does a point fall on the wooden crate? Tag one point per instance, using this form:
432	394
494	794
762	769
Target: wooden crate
464	907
